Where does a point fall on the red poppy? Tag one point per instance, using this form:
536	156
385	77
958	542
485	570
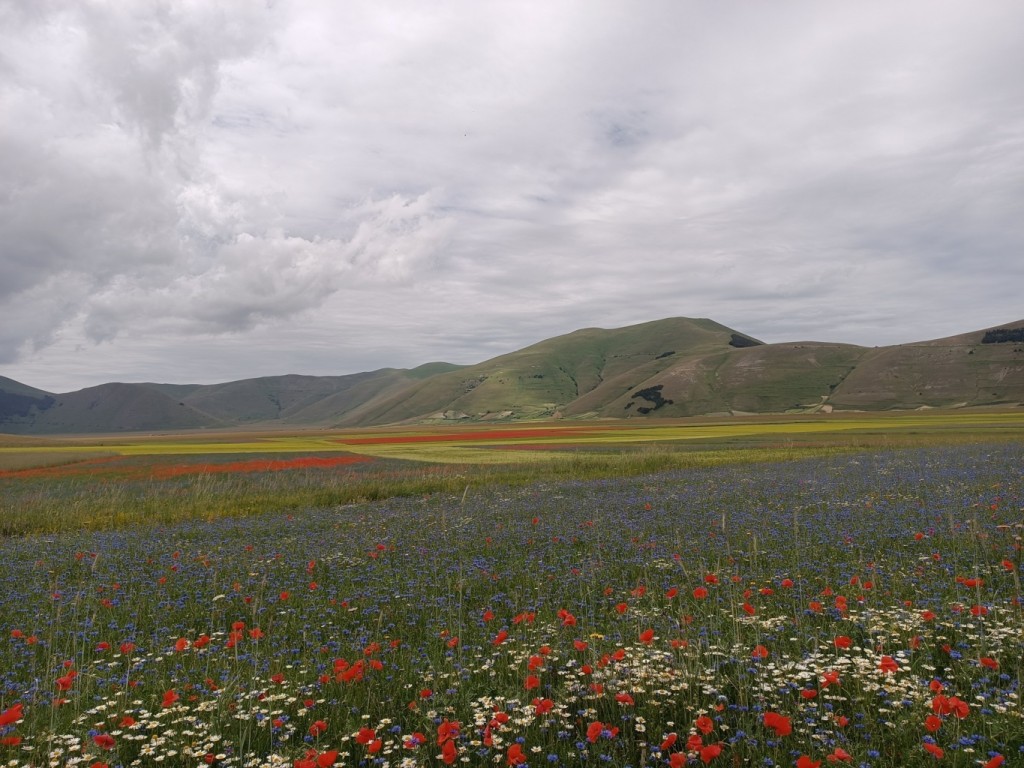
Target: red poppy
760	652
933	723
778	723
532	681
515	755
11	715
500	638
705	724
888	665
449	752
169	698
542	706
414	740
805	762
842	641
318	729
709	753
104	741
669	741
647	636
624	698
934	749
448	730
958	707
64	683
839	755
995	762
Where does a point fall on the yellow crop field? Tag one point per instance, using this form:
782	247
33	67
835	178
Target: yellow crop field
520	443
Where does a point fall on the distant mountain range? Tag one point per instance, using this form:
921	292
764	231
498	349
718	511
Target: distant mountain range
673	367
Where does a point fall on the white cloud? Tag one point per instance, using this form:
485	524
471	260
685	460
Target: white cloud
409	182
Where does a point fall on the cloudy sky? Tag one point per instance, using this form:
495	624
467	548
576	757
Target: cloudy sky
204	191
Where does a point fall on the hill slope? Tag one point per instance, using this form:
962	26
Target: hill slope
541	379
106	408
672	367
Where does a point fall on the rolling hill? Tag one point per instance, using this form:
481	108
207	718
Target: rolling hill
665	368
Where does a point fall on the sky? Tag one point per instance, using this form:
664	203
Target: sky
198	192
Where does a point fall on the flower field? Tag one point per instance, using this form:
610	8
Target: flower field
859	609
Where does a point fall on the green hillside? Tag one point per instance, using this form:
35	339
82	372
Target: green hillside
113	408
268	398
542	379
765	379
961	370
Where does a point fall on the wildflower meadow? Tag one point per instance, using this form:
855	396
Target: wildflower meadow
859	608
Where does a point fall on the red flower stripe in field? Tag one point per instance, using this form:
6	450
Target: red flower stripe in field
257	465
86	467
459	437
116	467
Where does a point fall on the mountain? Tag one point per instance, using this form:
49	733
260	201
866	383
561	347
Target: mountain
672	367
541	379
106	408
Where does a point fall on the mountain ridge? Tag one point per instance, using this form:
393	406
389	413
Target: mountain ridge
663	368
